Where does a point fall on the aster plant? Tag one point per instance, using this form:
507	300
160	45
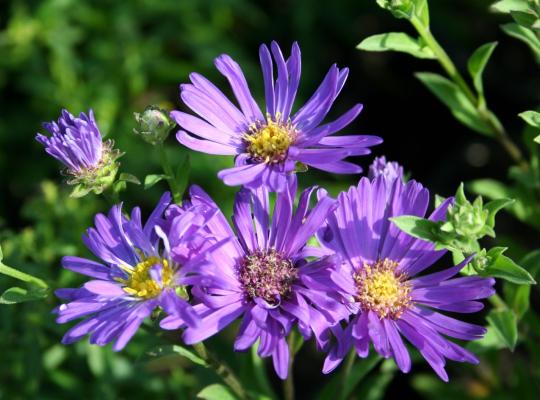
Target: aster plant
356	273
269	144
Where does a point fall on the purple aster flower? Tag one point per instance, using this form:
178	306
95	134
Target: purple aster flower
261	275
389	169
77	143
136	276
381	263
268	146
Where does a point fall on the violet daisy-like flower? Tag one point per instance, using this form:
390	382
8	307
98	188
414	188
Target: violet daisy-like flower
136	275
261	275
77	143
379	274
268	145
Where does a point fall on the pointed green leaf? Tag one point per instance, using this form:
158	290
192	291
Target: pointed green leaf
505	6
537	139
531	117
524	18
458	103
396	41
1	254
477	64
525	35
16	294
504	322
495	206
151	180
216	392
129	178
505	268
418	227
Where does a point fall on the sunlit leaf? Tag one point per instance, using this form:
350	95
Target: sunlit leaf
396	41
151	180
477	64
216	392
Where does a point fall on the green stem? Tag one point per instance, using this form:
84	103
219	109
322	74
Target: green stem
22	276
497	129
221	369
347	368
167	168
288	384
498	302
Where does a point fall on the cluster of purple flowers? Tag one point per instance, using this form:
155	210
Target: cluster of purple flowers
359	287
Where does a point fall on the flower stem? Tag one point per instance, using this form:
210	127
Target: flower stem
288	384
167	168
497	129
349	362
221	369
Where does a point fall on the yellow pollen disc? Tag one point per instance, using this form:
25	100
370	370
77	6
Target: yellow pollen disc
139	282
381	290
268	142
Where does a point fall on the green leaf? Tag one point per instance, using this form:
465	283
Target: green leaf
79	191
524	18
537	139
493	207
525	35
505	6
477	64
396	41
504	322
418	227
124	177
532	118
519	301
16	294
458	103
491	341
505	268
151	180
216	392
166	350
1	254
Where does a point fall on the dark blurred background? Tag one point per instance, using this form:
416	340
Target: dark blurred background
117	57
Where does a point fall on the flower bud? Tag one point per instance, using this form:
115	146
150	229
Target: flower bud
153	125
391	170
91	164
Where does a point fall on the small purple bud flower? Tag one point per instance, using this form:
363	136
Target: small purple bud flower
391	170
77	143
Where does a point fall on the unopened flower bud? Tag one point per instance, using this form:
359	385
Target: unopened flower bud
91	164
153	125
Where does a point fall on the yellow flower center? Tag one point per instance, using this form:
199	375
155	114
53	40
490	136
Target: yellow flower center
381	290
269	142
139	281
